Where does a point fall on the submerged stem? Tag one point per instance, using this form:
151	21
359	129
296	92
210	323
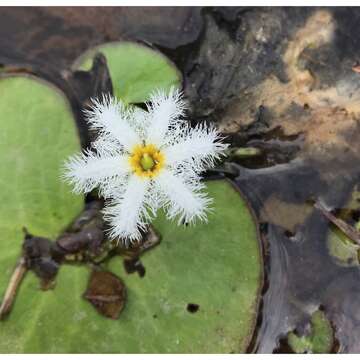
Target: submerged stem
244	152
347	229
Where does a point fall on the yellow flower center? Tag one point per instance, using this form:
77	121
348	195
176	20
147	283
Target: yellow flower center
146	161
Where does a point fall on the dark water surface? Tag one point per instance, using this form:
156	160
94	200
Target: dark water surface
301	275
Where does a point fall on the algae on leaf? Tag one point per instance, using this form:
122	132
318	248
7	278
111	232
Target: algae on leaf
136	70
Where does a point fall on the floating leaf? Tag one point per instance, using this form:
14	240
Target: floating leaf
342	249
37	134
199	294
319	341
136	70
342	239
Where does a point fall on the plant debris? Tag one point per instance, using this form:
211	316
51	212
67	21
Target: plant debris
107	293
40	256
84	242
349	230
10	293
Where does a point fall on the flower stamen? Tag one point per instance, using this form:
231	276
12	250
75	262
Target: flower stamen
146	161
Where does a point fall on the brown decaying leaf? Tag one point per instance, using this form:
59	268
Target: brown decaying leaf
107	293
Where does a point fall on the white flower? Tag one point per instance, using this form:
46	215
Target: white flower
144	160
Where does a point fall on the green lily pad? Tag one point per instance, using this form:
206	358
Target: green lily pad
200	294
319	341
37	133
136	70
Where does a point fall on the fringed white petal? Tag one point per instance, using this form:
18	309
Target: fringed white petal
154	199
106	145
111	189
140	122
200	145
164	113
112	120
89	170
127	212
184	198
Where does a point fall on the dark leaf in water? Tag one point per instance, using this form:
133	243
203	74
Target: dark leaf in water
88	239
136	70
58	35
92	83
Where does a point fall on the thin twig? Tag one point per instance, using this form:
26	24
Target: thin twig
10	293
347	229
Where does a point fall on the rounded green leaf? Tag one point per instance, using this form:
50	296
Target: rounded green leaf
136	70
199	294
37	134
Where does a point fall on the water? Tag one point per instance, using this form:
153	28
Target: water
301	275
